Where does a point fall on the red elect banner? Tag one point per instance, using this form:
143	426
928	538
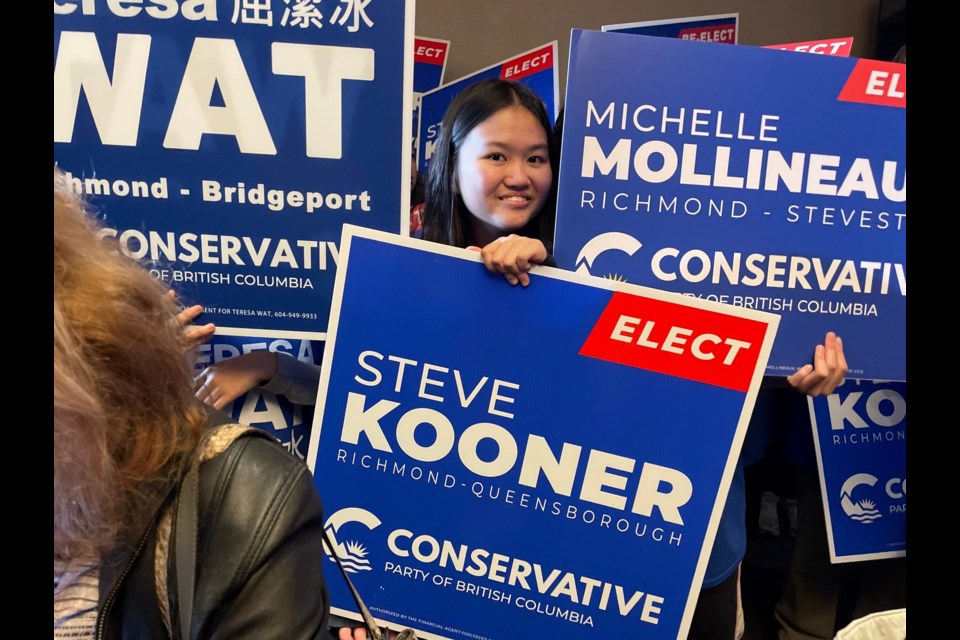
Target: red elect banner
429	51
678	340
877	82
715	33
840	47
528	64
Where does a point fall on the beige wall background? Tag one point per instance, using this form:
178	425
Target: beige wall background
484	32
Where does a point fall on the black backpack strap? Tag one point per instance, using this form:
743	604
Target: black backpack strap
185	550
186	527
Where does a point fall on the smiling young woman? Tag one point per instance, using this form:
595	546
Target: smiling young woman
503	173
491	182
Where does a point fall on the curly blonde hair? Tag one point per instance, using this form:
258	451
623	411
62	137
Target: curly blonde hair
124	415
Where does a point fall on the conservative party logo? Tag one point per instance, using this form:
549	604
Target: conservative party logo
612	241
864	510
352	554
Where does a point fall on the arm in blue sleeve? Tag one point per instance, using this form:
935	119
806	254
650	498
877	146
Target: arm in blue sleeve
295	380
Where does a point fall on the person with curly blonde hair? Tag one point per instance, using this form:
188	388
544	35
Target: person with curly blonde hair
123	408
127	427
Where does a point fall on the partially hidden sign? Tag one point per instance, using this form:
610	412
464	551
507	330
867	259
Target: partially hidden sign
536	68
429	63
831	47
767	179
860	432
225	143
720	28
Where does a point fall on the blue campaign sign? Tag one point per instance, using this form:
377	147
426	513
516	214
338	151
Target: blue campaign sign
227	142
861	438
721	28
761	178
429	63
536	68
507	462
288	422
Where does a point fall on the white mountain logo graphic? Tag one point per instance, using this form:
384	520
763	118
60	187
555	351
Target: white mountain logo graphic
863	511
352	554
611	241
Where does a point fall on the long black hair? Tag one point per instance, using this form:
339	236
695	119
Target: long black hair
446	218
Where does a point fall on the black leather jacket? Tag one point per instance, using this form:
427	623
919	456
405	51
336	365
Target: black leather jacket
259	556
